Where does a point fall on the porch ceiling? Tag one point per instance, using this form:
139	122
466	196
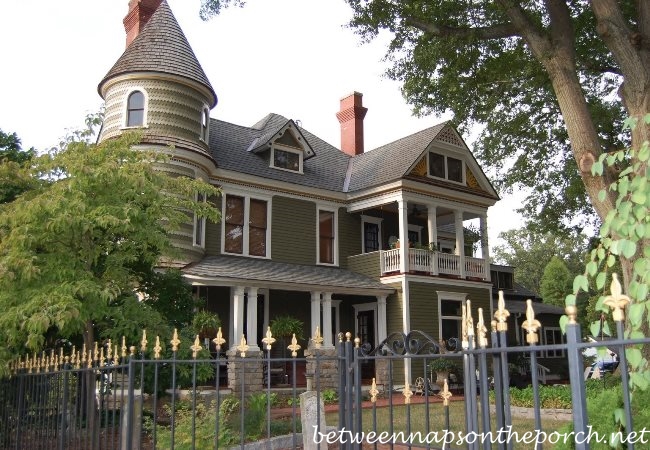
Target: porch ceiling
235	270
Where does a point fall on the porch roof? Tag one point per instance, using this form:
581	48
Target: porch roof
518	306
237	270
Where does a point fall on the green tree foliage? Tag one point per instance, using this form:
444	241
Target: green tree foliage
529	251
74	249
556	282
12	158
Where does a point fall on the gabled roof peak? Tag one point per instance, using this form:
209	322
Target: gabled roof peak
163	48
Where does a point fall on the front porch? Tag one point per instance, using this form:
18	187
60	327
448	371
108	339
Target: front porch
434	263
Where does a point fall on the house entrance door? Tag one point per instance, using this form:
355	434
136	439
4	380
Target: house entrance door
366	332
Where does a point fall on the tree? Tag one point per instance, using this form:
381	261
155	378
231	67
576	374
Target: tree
12	158
74	249
529	251
556	282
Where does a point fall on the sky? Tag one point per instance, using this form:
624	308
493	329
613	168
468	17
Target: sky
291	57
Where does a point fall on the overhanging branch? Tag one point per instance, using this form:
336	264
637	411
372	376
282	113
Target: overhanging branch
482	33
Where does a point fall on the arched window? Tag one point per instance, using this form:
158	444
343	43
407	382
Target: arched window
205	121
135	109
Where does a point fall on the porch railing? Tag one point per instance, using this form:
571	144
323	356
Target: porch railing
421	260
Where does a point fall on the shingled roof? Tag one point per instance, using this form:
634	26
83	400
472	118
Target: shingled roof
161	47
286	276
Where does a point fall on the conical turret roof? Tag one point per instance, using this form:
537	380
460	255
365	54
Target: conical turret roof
161	47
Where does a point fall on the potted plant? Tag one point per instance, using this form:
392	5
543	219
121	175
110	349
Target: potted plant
442	367
206	324
283	329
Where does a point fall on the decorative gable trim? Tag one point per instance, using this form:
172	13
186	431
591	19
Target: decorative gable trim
267	140
449	136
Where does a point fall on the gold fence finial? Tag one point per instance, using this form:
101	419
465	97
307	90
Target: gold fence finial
357	342
124	347
445	394
317	339
617	301
89	361
470	323
157	348
116	354
109	350
196	347
219	340
96	352
294	347
373	391
101	357
481	330
144	342
243	347
132	351
407	392
269	339
348	336
572	312
175	341
531	325
463	327
501	314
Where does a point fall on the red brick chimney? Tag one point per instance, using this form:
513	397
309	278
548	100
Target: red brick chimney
351	119
139	13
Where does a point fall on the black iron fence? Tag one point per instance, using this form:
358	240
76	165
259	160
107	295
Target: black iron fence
135	399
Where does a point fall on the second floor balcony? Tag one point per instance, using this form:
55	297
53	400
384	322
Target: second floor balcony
434	263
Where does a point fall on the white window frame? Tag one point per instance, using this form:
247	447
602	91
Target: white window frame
199	220
246	242
452	296
446	155
125	108
547	353
370	219
204	135
334	210
287	149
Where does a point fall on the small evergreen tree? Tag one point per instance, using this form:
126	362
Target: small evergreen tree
556	282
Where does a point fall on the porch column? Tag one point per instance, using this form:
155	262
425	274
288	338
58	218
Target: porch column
460	241
381	318
315	312
327	320
237	315
403	235
432	228
251	319
485	249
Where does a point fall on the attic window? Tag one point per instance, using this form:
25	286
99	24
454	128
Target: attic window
286	158
447	167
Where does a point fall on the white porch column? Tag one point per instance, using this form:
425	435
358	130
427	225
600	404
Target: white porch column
315	312
381	318
251	318
485	249
460	241
403	235
432	228
327	320
237	315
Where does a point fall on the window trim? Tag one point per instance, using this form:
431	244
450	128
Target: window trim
199	197
446	155
370	219
145	112
562	341
246	236
335	244
204	134
454	296
416	229
287	149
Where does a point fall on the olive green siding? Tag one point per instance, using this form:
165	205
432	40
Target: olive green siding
172	109
368	264
293	232
349	236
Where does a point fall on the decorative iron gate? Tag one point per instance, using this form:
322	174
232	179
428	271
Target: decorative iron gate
132	398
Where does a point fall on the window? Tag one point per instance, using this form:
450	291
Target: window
553	336
286	159
443	166
450	322
135	109
371	233
205	123
501	280
326	237
199	224
246	226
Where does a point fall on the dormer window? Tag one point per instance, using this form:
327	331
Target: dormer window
135	109
205	122
287	159
446	167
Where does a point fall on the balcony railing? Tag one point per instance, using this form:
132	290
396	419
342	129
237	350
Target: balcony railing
434	263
